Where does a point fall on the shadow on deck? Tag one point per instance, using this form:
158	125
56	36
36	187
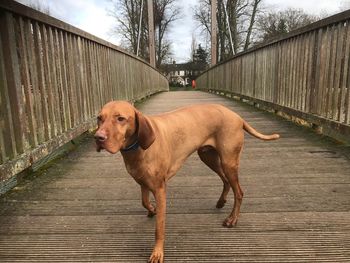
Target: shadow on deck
87	208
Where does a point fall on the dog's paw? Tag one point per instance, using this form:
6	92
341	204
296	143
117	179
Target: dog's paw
221	203
157	256
230	222
152	213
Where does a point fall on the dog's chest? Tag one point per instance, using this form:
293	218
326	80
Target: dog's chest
132	168
137	170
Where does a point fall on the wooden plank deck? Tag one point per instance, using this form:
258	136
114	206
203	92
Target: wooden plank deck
86	207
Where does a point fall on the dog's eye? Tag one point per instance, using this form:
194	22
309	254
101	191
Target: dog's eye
99	119
121	119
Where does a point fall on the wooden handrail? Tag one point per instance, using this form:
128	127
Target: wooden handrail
53	80
305	74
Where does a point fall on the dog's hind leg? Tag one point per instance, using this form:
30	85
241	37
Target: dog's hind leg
210	157
230	167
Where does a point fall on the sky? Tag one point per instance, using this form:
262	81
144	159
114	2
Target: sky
92	17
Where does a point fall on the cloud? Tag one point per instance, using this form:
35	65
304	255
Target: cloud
88	15
310	6
182	31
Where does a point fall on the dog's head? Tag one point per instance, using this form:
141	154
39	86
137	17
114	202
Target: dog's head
120	124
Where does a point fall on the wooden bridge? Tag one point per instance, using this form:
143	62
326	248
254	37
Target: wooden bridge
84	207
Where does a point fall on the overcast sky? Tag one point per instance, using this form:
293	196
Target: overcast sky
91	16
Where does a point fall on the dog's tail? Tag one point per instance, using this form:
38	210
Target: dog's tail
257	134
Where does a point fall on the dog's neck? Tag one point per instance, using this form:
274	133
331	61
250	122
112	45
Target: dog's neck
131	158
131	143
131	147
132	150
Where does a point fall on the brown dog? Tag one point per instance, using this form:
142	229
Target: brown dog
155	147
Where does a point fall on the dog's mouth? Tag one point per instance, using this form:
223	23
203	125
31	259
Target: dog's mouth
103	146
99	146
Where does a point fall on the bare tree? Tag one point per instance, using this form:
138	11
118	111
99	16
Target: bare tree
202	15
255	9
193	46
275	24
165	12
39	5
241	16
345	5
127	14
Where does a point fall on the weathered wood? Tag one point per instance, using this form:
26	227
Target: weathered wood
48	82
54	79
62	83
329	86
344	76
13	78
8	146
54	89
87	208
306	73
41	89
337	74
26	85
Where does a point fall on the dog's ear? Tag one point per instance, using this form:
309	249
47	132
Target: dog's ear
145	132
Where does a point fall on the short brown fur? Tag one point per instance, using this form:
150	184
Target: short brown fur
166	140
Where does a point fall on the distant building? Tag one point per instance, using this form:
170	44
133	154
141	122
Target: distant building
182	74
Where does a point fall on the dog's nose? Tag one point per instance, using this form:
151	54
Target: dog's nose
100	136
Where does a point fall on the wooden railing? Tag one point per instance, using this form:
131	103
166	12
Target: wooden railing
305	74
53	80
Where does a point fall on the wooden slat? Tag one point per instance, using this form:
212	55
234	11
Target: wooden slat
83	48
92	65
8	144
71	84
300	72
337	72
64	66
42	88
330	88
315	71
75	85
345	75
85	78
293	72
54	89
61	78
279	75
48	82
326	56
306	69
287	73
26	84
347	102
79	62
34	81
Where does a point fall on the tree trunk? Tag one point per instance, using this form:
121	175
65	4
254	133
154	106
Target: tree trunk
251	24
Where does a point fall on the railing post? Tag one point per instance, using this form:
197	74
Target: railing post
315	62
13	78
276	87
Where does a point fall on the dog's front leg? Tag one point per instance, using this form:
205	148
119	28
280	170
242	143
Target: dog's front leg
158	250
